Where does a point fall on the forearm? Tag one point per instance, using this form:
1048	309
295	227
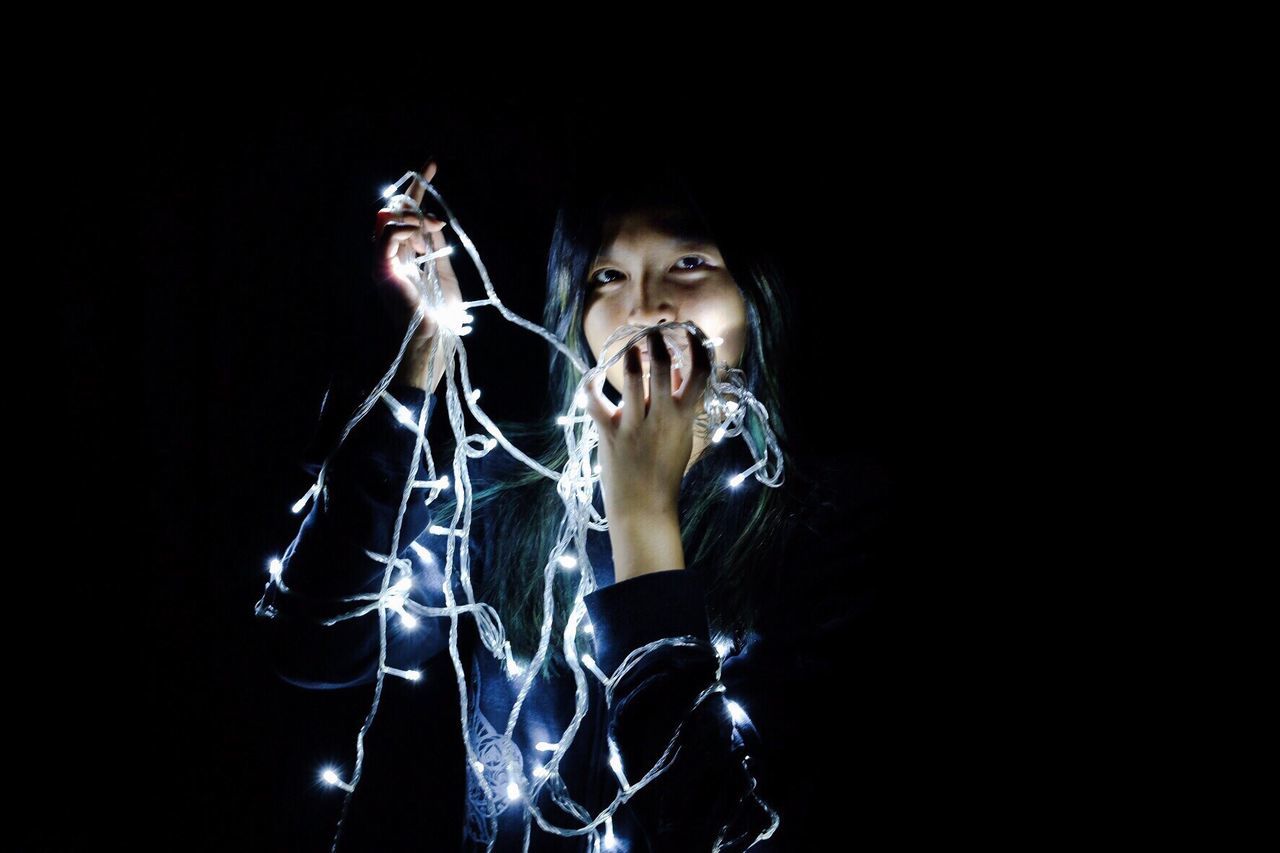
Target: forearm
642	545
419	369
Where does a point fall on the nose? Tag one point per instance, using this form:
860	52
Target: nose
652	303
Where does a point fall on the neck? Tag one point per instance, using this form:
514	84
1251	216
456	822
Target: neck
699	445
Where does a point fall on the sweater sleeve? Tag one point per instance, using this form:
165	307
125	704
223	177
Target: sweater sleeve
707	790
335	556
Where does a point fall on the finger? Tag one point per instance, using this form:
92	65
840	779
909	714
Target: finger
599	407
659	371
397	241
633	408
691	390
444	268
417	191
397	235
427	221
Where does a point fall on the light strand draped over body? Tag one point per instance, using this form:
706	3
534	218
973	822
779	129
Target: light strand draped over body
727	405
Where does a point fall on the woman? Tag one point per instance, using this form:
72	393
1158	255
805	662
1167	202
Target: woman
771	588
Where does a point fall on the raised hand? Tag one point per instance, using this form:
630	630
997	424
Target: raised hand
402	232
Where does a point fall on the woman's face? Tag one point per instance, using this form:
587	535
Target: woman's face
647	273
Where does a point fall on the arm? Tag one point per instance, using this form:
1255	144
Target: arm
327	560
707	789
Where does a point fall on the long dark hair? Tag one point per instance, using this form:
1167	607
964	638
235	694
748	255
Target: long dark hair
733	536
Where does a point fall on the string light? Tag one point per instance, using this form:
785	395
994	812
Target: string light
438	483
396	602
576	484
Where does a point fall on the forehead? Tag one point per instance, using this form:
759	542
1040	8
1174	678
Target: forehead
665	226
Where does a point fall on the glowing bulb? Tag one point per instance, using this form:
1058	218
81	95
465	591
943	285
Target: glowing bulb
539	772
276	568
587	627
719	434
543	746
588	660
454	317
465	330
302	501
478	765
610	842
389	191
717	341
513	667
731	407
490	443
735	711
402	585
513	791
568	561
580	400
408	675
474	395
332	778
736	480
723	647
615	760
422	552
396	602
405	417
564	419
597	468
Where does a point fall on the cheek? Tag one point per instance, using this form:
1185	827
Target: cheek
725	312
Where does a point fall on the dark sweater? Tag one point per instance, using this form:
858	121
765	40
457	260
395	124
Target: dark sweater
818	647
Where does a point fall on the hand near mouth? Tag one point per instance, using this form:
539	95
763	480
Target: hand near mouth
644	451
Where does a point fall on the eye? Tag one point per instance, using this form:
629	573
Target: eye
595	279
701	263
